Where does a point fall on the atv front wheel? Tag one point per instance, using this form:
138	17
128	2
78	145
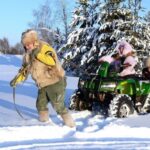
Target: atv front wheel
121	106
146	106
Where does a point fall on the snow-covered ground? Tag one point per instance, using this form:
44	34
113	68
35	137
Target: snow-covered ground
92	132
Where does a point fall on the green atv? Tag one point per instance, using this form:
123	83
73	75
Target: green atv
111	95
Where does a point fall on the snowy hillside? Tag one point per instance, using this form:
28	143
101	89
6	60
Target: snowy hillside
92	132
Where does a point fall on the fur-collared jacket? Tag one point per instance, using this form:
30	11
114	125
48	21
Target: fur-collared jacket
43	65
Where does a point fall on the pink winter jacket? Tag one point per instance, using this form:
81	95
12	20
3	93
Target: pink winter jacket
130	69
107	58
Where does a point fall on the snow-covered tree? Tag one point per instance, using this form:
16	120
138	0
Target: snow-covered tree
115	21
130	27
147	17
135	6
119	22
80	44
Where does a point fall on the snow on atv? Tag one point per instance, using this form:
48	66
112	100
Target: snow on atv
111	95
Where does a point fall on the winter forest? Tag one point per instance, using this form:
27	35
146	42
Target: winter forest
98	25
110	112
92	32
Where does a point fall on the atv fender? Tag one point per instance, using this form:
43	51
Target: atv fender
126	87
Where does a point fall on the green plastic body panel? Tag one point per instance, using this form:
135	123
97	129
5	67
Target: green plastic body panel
126	87
103	69
109	84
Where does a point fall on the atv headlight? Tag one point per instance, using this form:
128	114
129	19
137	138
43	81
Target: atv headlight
108	85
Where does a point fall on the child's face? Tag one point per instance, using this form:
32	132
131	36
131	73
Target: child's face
29	46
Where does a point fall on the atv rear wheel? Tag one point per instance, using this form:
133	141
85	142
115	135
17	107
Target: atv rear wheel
76	103
121	106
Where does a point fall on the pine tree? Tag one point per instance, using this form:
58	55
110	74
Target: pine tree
80	40
115	22
119	22
147	17
135	6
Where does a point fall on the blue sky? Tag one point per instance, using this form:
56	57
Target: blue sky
16	14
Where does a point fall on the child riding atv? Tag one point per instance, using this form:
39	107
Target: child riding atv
123	56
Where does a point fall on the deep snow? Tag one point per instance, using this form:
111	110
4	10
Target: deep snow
92	132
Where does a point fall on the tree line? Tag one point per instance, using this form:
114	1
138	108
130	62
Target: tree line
6	48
